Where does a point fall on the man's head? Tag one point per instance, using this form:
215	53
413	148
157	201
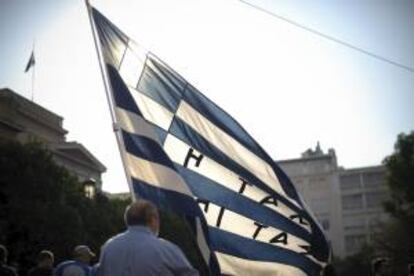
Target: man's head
45	259
83	253
3	254
380	266
142	213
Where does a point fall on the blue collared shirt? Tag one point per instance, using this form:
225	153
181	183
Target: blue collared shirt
138	251
73	268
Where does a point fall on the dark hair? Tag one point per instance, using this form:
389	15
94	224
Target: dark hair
140	212
378	263
45	255
3	254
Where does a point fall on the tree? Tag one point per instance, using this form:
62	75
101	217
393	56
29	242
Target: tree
400	180
397	239
36	202
357	264
42	206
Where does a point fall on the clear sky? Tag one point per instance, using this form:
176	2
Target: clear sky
289	88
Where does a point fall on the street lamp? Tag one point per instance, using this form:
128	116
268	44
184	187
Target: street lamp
89	188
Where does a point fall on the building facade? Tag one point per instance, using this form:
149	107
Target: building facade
24	121
346	202
362	192
315	175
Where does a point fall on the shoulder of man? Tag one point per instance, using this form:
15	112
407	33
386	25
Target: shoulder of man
115	240
72	268
177	261
172	249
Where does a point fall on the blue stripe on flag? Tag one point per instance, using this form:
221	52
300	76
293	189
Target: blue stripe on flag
161	84
112	39
222	120
205	188
120	91
228	243
167	199
161	133
146	148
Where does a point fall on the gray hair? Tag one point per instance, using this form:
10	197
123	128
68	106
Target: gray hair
140	212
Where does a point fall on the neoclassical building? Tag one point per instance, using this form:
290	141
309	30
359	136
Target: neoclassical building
23	120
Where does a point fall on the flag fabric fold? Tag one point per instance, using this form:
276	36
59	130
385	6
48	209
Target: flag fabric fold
187	155
30	63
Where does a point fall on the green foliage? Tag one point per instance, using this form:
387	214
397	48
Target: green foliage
396	239
358	264
400	179
42	206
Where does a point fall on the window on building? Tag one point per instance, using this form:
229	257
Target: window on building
350	202
354	242
325	224
374	199
354	228
354	224
373	179
351	181
323	219
375	225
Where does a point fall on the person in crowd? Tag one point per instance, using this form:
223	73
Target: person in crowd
44	266
380	267
138	250
79	266
5	270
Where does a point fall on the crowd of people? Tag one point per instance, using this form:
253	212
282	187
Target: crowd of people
137	251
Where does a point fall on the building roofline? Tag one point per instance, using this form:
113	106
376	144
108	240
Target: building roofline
21	101
71	145
373	168
301	159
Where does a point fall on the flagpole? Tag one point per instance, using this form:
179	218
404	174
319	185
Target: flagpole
33	72
109	98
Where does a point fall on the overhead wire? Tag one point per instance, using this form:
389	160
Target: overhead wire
329	37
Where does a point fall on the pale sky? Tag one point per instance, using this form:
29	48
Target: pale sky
289	88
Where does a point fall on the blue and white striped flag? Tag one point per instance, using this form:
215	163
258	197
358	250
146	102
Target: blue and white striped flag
185	154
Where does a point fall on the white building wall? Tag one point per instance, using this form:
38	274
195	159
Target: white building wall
317	180
346	203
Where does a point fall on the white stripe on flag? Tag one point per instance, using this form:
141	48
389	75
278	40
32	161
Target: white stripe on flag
245	227
155	174
202	243
237	266
230	147
132	64
177	150
133	123
151	110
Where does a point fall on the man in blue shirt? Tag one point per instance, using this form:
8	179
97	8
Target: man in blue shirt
138	251
79	266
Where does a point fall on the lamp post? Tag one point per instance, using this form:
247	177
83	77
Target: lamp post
89	188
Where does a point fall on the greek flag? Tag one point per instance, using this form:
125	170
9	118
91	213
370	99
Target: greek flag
185	154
